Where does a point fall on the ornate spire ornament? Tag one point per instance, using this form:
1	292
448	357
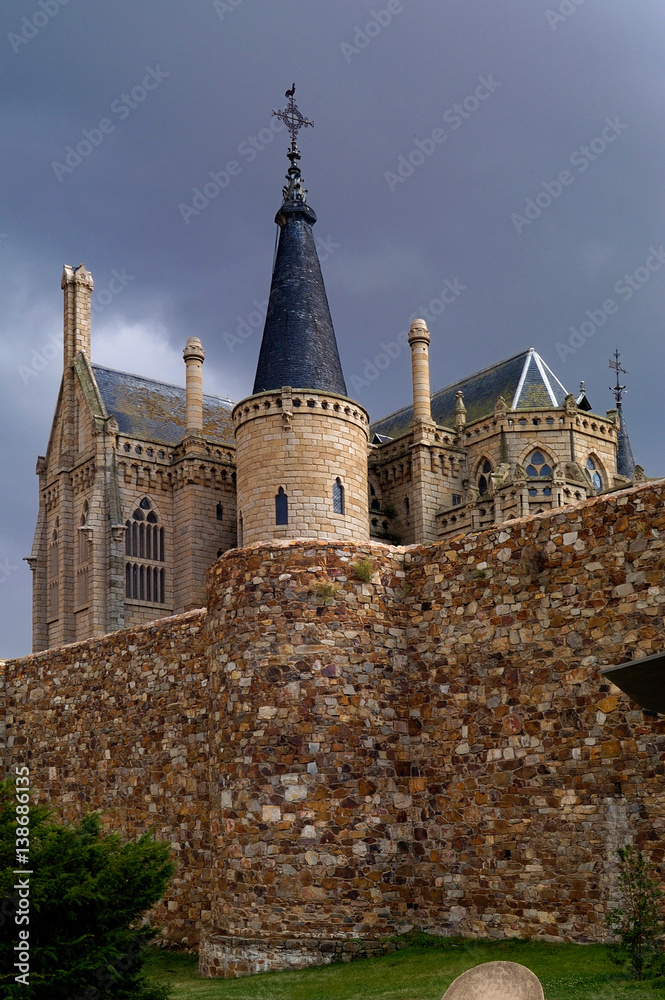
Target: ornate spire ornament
617	389
294	120
625	460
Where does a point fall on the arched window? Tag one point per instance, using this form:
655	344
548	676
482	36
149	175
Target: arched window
281	507
338	496
53	571
220	511
537	466
82	559
593	474
144	547
82	544
485	468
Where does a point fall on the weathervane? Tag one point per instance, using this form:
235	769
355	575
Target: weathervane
294	190
292	118
617	389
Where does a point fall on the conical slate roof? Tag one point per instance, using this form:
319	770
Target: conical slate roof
298	347
625	460
524	381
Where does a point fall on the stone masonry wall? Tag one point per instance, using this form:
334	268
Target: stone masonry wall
302	442
532	768
339	759
119	724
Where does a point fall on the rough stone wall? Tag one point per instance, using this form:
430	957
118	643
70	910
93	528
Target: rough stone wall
533	769
339	759
120	724
312	746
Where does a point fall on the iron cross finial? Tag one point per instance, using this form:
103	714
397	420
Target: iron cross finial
292	118
617	389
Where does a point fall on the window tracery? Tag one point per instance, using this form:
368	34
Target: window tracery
144	548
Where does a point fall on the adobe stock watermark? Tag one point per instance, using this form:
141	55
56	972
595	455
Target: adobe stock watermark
455	116
31	26
378	21
7	569
626	287
581	158
248	149
41	357
248	325
565	10
122	107
224	7
390	351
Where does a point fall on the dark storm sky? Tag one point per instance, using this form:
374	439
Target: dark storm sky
558	101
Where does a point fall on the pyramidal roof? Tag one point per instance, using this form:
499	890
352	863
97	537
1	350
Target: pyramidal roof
525	381
298	346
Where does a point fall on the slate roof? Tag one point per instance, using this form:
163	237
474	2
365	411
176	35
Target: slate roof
524	381
298	347
155	411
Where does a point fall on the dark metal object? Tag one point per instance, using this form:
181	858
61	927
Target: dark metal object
292	118
642	680
298	346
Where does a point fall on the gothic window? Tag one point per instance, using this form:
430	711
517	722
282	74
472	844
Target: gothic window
82	541
593	475
537	466
483	482
338	496
53	569
82	559
281	507
144	547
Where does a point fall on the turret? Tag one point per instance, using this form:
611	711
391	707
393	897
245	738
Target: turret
301	443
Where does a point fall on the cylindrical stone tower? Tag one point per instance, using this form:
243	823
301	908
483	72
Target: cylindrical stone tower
301	443
419	344
194	355
301	461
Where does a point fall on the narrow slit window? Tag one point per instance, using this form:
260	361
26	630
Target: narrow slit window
338	496
281	507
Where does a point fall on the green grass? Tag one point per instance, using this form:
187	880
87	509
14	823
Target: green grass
422	971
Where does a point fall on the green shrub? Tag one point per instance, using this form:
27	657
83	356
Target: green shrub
326	590
638	925
87	893
364	569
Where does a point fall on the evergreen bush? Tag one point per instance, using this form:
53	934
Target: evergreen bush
87	893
